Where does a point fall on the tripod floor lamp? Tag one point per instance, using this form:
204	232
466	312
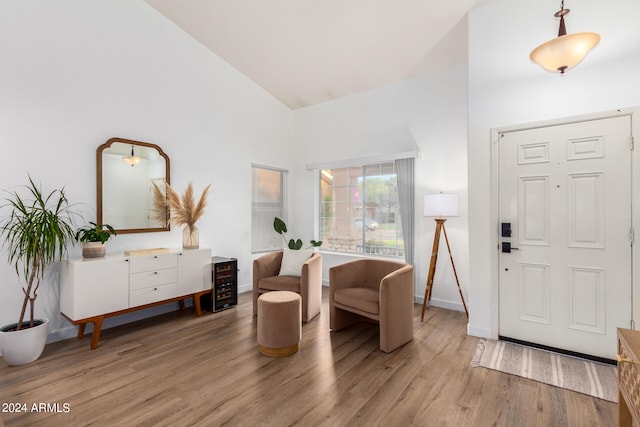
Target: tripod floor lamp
440	206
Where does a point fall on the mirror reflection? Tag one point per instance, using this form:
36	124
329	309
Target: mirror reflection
127	172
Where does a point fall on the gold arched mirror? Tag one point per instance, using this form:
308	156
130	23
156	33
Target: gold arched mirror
127	173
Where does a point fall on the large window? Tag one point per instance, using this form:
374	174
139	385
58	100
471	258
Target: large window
359	210
268	200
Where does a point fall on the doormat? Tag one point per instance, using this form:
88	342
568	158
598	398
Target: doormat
584	376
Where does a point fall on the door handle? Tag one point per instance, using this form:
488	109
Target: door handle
507	248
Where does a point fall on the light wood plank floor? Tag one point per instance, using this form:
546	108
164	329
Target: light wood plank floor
179	370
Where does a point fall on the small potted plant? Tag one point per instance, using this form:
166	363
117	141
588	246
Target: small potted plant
281	228
94	238
36	232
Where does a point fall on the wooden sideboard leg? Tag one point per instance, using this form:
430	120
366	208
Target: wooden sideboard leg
81	328
196	304
196	301
97	328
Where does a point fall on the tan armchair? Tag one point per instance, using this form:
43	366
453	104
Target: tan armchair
373	289
308	285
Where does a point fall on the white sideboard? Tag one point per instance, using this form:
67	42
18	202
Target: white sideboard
94	289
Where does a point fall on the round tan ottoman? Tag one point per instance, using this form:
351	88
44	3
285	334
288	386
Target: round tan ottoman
279	323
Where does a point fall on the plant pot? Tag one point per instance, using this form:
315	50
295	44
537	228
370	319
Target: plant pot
23	346
93	249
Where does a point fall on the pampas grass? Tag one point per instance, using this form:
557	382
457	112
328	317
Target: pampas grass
184	210
160	206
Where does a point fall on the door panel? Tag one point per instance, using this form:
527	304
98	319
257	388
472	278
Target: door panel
586	210
535	295
587	298
533	210
566	190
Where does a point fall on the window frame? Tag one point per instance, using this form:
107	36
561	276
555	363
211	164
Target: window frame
397	252
283	212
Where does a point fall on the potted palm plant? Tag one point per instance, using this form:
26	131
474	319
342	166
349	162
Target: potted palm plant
94	239
36	233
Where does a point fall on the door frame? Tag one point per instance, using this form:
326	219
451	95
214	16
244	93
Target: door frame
634	114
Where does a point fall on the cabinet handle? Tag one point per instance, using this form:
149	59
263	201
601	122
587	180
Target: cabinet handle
155	272
155	256
155	289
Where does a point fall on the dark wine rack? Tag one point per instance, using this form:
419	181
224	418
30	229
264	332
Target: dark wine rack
224	281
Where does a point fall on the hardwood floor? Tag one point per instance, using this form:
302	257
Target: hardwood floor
178	370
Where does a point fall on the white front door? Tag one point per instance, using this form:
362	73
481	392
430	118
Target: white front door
565	199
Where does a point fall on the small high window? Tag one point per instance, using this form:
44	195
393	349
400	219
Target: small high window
268	200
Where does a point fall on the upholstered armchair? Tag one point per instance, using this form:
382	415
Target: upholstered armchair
373	290
266	278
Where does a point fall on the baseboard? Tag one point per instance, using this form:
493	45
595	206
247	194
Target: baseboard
476	331
245	288
62	334
440	303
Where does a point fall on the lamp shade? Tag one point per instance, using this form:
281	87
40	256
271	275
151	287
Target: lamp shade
132	160
564	52
441	205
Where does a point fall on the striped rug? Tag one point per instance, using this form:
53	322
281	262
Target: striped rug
592	378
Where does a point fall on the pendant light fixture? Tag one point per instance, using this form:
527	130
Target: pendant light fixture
564	51
132	159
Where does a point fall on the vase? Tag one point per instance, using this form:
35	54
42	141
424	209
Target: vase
93	249
190	237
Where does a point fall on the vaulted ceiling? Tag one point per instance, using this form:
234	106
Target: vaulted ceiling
305	52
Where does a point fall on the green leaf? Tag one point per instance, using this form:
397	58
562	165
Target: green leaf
95	233
36	233
279	225
295	244
316	243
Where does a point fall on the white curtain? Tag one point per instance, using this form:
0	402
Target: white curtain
406	190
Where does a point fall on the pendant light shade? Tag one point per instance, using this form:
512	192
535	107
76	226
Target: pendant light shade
566	50
132	160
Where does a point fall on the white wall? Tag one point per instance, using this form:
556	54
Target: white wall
76	73
428	113
505	89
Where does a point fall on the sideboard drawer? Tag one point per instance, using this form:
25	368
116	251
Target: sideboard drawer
147	279
140	263
156	293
